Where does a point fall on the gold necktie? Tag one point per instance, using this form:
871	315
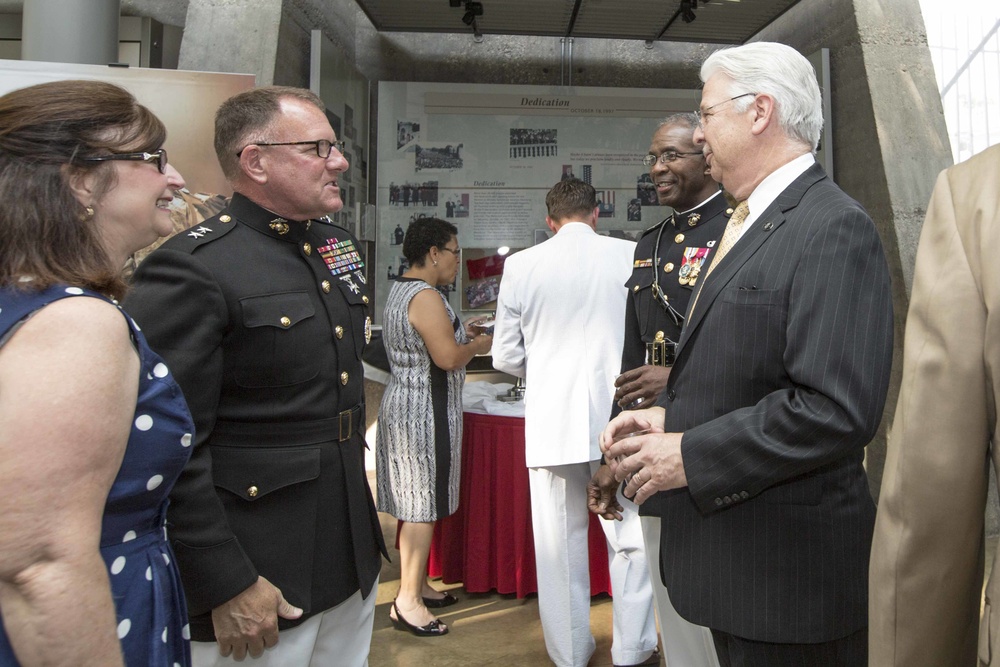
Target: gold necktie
729	238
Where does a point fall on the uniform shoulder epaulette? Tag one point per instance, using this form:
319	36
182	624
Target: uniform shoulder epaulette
203	232
327	221
653	228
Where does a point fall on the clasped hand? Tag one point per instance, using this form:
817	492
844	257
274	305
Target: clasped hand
642	384
248	623
647	462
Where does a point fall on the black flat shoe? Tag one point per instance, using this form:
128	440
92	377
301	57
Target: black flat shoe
432	629
437	603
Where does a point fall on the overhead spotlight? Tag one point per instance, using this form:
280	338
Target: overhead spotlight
477	36
649	44
687	10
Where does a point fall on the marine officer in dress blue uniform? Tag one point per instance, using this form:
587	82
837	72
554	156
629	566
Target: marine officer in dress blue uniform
669	259
262	314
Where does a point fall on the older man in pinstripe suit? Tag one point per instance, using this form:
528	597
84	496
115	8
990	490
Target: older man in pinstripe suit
779	383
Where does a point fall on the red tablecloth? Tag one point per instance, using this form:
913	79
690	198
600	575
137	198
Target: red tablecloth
487	544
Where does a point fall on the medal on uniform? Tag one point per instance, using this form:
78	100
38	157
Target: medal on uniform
346	278
642	263
694	258
341	257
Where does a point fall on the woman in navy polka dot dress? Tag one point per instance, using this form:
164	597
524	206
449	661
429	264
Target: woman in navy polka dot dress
93	429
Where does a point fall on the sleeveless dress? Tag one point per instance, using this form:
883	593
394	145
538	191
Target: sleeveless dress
145	583
418	452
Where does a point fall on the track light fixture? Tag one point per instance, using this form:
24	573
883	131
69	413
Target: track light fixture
454	3
687	10
472	10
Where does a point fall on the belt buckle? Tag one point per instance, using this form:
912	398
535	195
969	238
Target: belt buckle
662	353
350	419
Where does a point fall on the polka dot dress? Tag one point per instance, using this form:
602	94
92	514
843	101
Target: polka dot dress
145	584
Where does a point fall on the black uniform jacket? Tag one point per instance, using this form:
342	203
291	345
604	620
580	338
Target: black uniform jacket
262	321
686	240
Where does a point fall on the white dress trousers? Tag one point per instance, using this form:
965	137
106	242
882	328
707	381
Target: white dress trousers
560	521
684	643
341	635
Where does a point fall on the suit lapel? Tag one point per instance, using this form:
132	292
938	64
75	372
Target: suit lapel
758	234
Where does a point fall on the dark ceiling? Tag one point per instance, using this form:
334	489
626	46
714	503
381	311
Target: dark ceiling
715	21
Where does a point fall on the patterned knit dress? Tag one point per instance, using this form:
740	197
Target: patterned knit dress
418	450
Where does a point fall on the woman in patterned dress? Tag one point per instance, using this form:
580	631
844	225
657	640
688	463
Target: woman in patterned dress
418	452
93	429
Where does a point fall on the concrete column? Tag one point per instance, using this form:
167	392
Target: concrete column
237	36
82	31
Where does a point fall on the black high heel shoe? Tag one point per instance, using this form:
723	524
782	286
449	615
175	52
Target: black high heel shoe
432	629
437	603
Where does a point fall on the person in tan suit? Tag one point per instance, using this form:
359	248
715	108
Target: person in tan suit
926	566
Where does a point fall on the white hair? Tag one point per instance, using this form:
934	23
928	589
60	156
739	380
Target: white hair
781	72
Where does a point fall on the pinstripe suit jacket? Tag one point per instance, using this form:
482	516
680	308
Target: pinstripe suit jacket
780	380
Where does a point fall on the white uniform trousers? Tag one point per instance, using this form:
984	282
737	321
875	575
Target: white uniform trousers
560	520
341	635
684	643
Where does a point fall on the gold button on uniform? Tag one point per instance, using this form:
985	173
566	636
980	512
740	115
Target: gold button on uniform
326	286
225	218
365	299
668	267
307	249
344	377
635	288
252	492
285	322
679	238
338	331
729	211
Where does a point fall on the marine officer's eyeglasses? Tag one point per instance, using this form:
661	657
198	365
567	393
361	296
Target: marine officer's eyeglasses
456	252
159	157
323	147
665	157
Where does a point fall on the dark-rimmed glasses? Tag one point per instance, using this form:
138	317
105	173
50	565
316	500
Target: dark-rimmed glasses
665	157
323	147
456	252
159	157
703	116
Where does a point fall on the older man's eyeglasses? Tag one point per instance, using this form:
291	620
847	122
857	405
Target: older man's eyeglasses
157	157
665	157
456	251
323	147
703	116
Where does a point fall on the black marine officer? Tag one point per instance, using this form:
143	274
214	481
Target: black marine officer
670	258
261	313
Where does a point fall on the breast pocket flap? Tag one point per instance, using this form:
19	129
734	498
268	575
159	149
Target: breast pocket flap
281	311
253	473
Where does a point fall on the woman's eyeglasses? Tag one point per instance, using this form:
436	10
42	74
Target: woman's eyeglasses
158	157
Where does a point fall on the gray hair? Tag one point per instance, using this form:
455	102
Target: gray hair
779	71
688	119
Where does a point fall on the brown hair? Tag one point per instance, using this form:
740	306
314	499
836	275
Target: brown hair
45	132
570	198
244	118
